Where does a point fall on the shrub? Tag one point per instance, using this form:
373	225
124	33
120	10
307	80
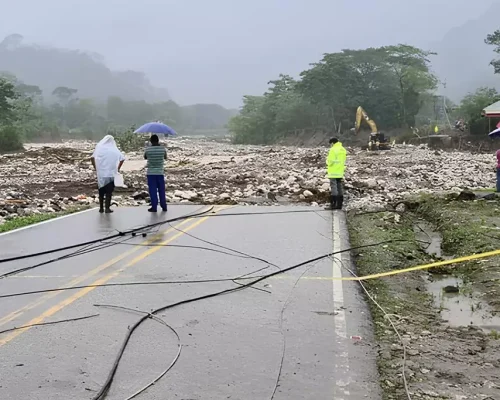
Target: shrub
128	140
10	139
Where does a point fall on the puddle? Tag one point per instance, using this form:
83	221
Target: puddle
431	240
459	308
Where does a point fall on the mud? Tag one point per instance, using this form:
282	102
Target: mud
447	357
430	240
463	308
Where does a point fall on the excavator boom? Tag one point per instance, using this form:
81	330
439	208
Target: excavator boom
360	113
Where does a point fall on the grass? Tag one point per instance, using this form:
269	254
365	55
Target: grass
469	227
488	190
21	222
398	294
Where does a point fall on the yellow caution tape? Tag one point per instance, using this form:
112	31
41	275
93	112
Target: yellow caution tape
422	267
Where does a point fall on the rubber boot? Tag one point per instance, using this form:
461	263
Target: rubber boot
333	203
340	203
108	209
101	204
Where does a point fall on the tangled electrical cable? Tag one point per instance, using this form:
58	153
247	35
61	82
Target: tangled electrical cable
107	384
130	232
109	241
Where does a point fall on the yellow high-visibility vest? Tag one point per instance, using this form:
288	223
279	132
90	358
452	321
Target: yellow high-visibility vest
335	161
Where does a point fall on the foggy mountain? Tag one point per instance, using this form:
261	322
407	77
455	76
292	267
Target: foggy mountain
49	67
463	57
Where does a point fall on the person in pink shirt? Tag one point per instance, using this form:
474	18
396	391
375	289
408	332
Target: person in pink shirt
498	170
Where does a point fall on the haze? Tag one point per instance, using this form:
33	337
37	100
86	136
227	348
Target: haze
216	51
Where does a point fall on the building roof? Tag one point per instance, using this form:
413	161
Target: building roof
492	110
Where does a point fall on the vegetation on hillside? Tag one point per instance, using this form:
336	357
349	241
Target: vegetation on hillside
49	67
388	82
26	116
394	84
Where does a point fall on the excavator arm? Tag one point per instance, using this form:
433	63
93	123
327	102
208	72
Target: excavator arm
360	113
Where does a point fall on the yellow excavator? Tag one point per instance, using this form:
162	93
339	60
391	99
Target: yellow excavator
377	140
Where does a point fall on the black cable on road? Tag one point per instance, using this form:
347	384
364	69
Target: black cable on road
107	384
85	250
144	283
161	321
110	237
48	323
178	282
149	226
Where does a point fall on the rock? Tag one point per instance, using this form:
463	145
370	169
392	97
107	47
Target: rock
413	352
370	183
210	169
141	195
451	289
307	194
466	195
490	196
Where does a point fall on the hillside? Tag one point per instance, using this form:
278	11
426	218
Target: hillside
206	116
49	68
463	57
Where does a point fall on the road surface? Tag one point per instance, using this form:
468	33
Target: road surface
292	336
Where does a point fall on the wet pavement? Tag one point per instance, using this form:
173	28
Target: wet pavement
299	335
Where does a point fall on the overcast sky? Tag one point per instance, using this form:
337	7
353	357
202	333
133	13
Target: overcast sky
214	51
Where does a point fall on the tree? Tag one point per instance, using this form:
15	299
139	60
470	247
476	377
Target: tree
493	39
473	104
31	91
411	67
389	82
7	96
64	94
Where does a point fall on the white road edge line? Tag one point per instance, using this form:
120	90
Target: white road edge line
47	221
341	371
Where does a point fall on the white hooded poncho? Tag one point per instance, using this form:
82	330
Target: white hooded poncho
107	157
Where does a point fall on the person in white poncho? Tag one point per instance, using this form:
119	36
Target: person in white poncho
107	161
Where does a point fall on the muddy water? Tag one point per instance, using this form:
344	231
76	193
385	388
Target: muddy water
458	305
462	309
430	240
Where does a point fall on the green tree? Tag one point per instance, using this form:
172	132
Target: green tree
493	39
10	138
7	96
64	94
250	125
411	67
389	82
473	104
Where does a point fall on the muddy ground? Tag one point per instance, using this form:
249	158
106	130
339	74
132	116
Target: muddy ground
452	339
51	177
448	318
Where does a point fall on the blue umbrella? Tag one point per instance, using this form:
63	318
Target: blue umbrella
495	133
156	127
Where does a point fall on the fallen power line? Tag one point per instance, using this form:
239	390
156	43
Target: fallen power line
48	323
149	226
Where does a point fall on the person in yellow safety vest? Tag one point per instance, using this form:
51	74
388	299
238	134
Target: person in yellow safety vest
335	164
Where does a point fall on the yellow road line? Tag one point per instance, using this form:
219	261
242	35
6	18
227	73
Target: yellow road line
81	278
51	311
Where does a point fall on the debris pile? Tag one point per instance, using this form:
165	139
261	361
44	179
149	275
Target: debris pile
47	177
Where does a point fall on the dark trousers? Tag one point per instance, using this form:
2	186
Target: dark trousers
498	179
336	187
156	185
106	191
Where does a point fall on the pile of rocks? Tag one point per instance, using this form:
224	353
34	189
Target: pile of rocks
51	177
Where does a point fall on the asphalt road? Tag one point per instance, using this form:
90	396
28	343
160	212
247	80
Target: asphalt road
293	336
